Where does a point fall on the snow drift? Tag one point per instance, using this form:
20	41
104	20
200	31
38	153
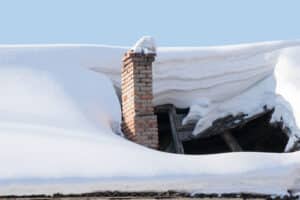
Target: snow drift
58	115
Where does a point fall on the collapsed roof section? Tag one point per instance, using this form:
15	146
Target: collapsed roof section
217	82
49	100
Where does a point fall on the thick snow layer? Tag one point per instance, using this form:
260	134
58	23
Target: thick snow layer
45	163
47	86
287	73
225	80
57	118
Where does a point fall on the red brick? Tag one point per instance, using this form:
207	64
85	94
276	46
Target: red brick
139	122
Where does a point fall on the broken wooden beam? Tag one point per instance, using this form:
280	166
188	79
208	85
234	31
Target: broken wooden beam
173	123
231	141
223	124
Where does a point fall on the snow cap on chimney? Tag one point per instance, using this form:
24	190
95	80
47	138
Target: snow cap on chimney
145	45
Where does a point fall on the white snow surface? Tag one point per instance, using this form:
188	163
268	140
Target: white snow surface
215	82
58	117
145	45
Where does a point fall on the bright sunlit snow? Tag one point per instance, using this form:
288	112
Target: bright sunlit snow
59	116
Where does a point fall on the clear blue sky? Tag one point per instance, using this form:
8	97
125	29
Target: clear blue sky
171	22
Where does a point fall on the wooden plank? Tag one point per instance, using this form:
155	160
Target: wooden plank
173	123
231	141
224	124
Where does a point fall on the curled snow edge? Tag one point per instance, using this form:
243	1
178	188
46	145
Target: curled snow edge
215	82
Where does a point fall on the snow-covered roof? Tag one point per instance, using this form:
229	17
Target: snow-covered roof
57	117
215	82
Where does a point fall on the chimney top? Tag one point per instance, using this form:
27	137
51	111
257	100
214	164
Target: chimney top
145	45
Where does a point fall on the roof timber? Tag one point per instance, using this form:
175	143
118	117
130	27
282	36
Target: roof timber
224	124
221	126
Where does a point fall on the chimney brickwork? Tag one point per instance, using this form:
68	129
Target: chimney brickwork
139	123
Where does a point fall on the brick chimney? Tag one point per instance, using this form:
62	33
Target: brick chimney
139	123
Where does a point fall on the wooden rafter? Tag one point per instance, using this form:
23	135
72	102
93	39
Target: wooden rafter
231	141
174	124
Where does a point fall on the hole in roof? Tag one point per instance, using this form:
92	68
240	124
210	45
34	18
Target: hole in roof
257	135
